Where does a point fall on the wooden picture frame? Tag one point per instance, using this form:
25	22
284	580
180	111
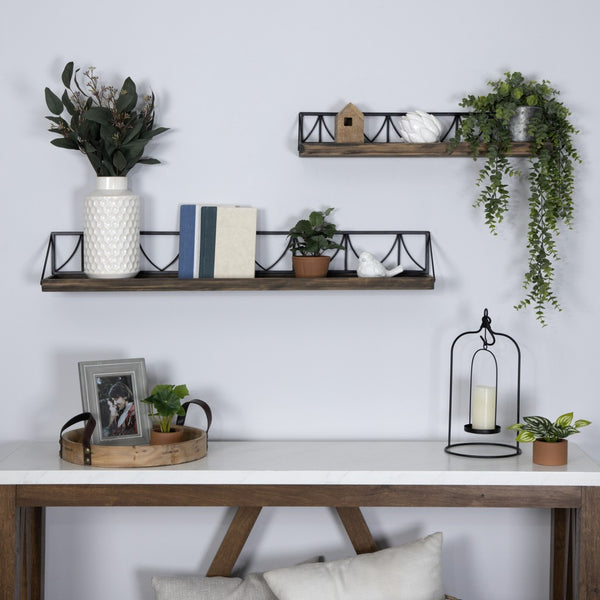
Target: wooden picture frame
112	391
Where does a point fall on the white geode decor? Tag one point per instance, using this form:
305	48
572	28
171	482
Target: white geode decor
419	127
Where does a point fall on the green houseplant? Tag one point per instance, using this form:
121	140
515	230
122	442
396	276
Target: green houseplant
550	176
110	125
166	404
550	445
308	239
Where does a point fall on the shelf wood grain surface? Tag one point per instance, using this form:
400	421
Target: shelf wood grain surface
399	149
157	282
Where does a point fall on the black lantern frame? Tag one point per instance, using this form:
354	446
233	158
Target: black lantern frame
488	337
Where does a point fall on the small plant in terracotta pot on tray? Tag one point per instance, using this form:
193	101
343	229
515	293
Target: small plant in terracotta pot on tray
549	444
166	404
308	239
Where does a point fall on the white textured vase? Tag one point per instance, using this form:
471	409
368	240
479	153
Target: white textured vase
111	230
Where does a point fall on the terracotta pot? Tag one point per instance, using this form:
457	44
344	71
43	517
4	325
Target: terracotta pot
310	266
552	454
158	438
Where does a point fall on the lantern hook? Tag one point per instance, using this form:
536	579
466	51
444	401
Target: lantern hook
486	326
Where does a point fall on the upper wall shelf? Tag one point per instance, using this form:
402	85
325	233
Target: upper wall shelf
63	266
316	137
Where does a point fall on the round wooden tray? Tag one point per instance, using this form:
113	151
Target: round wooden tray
75	446
191	448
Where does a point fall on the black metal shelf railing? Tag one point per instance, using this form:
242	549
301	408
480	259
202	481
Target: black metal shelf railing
64	257
380	127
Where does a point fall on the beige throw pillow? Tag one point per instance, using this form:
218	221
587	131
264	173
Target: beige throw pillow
409	572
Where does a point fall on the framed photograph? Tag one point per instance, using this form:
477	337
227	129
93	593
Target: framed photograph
112	390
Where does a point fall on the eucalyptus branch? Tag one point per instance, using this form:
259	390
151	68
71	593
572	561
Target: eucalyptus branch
102	122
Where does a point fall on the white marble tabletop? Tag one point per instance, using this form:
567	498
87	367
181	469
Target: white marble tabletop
304	462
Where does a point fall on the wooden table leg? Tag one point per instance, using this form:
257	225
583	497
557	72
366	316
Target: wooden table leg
8	543
357	529
32	552
562	565
234	541
589	544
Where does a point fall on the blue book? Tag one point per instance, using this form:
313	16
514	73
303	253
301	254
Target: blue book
187	240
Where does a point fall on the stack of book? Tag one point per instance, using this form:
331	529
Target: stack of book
216	241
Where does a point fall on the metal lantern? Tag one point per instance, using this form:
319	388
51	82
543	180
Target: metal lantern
484	395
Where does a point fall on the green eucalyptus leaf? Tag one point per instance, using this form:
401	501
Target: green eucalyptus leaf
119	161
53	102
134	147
134	132
149	161
67	103
94	159
67	74
154	132
98	114
65	143
127	97
107	168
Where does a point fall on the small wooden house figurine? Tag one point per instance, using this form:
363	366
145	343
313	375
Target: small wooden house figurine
350	125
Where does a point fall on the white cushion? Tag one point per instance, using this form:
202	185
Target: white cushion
409	572
252	587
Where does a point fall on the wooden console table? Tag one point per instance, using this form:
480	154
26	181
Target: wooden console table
345	475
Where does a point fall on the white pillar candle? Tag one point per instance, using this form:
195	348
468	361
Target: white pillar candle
483	407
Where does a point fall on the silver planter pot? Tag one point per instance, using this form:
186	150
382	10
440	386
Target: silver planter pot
518	124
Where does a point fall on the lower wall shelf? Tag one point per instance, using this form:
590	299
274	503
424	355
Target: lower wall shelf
63	267
153	282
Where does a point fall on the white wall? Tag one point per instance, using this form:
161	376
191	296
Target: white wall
230	78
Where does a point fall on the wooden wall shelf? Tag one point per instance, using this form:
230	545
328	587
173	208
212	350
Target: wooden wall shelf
63	266
316	137
400	149
162	282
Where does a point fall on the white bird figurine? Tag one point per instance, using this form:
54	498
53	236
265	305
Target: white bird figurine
369	266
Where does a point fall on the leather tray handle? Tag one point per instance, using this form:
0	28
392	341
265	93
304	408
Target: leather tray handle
87	434
203	405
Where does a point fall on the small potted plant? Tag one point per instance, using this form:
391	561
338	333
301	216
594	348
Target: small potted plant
166	403
551	178
549	444
308	239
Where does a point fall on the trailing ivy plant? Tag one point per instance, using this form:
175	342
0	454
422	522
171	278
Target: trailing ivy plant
103	122
543	429
550	176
